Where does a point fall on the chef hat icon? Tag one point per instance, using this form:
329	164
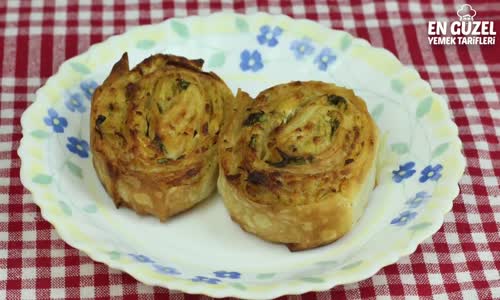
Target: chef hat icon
466	13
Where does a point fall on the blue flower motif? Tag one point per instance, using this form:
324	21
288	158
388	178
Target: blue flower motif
79	147
88	87
325	58
419	198
55	121
269	36
75	103
251	61
138	257
430	172
205	280
302	48
225	274
404	218
166	270
405	171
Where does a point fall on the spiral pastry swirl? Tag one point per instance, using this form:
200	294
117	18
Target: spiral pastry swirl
297	163
154	131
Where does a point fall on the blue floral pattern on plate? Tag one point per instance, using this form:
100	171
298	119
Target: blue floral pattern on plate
157	267
405	171
55	121
418	199
78	146
430	172
88	87
75	103
404	218
226	274
325	58
269	36
166	270
302	48
206	280
140	258
412	203
251	60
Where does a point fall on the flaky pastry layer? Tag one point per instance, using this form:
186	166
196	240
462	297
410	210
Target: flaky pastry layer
153	132
297	163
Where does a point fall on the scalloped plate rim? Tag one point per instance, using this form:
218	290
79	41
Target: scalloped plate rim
280	290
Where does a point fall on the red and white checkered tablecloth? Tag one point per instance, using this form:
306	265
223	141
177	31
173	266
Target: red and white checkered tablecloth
461	261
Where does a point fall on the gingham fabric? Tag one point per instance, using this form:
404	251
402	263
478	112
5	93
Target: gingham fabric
461	261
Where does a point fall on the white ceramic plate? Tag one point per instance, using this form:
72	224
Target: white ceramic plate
202	251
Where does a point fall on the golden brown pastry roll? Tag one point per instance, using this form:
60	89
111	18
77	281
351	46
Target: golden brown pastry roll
297	164
153	132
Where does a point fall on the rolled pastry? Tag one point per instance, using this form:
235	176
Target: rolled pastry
153	132
297	163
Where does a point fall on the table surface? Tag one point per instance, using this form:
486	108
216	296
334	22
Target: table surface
461	261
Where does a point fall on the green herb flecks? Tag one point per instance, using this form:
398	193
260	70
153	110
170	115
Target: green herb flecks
253	141
100	119
257	178
253	118
147	127
338	101
334	124
158	143
287	159
348	161
183	84
160	109
98	122
163	160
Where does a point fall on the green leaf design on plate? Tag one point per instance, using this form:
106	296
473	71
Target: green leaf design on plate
80	68
74	169
377	111
397	86
242	25
266	275
92	208
440	150
420	226
42	179
239	286
65	208
352	265
180	28
345	42
40	134
328	263
114	255
145	44
312	279
400	148
217	60
424	106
